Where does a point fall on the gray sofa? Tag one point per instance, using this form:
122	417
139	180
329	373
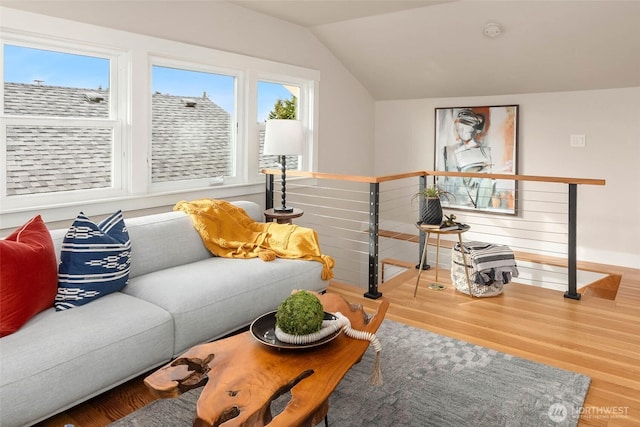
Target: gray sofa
178	295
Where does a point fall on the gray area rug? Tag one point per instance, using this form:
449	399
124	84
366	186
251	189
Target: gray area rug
429	380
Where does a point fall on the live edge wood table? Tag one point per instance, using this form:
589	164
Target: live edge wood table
242	376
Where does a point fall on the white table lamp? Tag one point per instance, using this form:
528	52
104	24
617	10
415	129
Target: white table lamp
283	137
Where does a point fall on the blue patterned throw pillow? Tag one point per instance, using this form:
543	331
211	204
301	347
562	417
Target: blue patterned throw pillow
94	260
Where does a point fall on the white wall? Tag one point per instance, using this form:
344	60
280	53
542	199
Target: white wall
608	217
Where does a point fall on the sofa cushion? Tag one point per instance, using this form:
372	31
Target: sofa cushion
175	234
94	261
61	358
28	275
210	298
163	240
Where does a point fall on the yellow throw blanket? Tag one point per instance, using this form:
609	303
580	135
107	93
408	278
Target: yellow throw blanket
228	231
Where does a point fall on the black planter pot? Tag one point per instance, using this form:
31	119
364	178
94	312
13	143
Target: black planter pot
431	212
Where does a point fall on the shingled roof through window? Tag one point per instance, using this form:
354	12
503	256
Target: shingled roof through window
189	141
40	100
191	138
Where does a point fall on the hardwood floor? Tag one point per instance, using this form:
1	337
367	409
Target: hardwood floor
595	336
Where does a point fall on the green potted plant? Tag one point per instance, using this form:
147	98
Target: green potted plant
431	209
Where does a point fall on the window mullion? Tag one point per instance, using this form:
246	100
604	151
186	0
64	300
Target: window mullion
250	127
58	121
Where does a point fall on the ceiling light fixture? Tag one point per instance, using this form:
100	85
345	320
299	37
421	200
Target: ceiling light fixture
492	30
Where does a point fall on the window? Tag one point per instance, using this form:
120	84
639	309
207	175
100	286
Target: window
104	119
192	126
276	101
60	122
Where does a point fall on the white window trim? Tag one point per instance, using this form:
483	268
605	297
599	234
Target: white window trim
118	114
305	114
205	67
133	71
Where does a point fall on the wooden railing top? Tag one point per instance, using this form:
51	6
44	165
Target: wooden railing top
385	178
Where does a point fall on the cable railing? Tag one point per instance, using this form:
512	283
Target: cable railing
368	224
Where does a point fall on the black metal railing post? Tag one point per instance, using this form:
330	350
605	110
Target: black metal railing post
268	193
374	220
422	184
572	257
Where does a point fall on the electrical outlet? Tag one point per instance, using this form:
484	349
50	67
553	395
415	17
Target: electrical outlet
577	141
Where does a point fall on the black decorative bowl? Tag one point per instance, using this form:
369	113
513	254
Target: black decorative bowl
263	329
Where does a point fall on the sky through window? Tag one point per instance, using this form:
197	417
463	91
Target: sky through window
46	67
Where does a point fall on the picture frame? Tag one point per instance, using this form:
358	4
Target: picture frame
480	139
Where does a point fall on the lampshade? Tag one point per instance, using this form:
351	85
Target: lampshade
283	137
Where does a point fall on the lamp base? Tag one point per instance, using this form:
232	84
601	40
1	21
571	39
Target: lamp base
283	210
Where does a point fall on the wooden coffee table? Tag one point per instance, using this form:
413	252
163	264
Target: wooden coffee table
242	376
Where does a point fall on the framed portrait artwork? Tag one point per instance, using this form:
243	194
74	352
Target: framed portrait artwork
479	140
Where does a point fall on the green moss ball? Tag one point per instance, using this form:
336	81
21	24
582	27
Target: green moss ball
300	314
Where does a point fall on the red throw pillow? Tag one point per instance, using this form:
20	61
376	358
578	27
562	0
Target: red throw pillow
28	275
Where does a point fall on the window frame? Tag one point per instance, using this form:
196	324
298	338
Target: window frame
304	112
118	112
238	75
135	55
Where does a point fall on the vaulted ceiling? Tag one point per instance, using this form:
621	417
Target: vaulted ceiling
410	49
421	48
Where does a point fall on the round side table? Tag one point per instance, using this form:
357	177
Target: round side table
439	231
282	217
